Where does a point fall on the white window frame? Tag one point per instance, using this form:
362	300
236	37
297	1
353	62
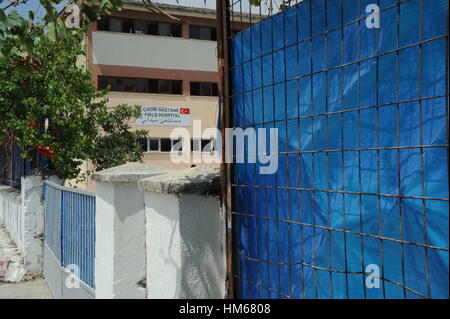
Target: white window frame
199	150
148	145
160	145
214	146
172	144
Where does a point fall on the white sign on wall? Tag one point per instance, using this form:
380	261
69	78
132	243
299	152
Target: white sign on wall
164	116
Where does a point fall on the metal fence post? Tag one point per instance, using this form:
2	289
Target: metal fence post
223	31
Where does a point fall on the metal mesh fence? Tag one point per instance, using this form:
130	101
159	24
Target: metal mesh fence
362	116
12	166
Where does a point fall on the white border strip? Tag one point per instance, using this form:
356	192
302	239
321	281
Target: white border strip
70	189
64	271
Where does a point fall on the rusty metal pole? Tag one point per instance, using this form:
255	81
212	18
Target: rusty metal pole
223	55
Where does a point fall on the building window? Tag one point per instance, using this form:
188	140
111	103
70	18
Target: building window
177	86
128	26
215	89
128	84
103	82
196	145
153	86
115	25
140	85
205	146
164	86
177	30
139	27
166	145
143	143
165	29
204	89
116	84
153	145
208	146
177	145
103	24
202	33
152	28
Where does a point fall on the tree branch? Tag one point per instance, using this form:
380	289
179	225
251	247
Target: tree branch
149	5
13	3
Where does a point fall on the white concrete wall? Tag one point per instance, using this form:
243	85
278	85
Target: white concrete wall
120	231
56	276
185	246
202	230
33	223
129	220
11	214
164	228
163	243
23	215
134	50
104	225
120	241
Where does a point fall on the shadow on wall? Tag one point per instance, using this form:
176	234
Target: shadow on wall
203	238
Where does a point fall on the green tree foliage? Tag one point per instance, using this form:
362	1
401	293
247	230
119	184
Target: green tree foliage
48	103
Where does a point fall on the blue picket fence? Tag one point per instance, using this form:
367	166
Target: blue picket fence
70	228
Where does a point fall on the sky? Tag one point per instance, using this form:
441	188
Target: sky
34	5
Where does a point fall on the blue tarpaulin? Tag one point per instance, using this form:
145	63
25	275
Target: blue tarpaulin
362	179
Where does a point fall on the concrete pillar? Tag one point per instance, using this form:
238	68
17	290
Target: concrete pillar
185	237
33	223
120	231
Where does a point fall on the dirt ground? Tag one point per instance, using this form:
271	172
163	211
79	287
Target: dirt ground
24	289
33	289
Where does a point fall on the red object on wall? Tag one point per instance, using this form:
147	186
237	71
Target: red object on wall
185	111
3	267
45	151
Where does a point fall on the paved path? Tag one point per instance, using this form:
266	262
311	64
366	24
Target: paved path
10	256
33	289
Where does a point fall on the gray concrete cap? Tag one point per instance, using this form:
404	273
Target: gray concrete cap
128	173
11	192
204	180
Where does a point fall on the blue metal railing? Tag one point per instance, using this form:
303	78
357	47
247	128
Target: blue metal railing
11	166
70	228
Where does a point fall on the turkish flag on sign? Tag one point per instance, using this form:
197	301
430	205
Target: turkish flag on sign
185	111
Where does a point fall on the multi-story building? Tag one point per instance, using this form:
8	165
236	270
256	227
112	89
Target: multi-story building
164	63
